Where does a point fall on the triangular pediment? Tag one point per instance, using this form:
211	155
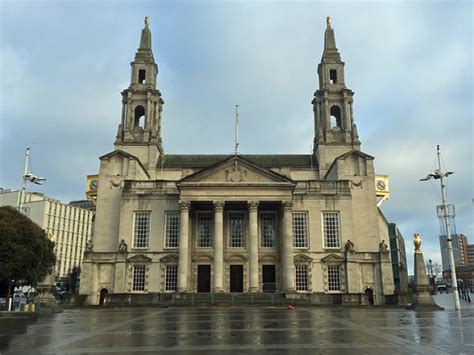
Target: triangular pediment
170	258
236	170
333	259
140	258
302	259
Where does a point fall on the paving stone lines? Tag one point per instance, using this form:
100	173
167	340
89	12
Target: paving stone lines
248	329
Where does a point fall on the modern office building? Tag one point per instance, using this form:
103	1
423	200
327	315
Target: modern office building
70	227
303	225
460	251
470	254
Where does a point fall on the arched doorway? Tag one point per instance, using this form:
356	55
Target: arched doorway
369	296
103	294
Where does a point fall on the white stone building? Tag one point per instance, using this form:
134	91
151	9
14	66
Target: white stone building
69	226
301	225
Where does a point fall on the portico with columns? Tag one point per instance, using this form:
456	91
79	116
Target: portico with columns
237	186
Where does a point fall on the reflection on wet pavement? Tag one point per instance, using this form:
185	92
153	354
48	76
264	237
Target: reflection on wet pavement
249	329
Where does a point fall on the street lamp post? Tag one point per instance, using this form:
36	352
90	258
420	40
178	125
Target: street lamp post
438	174
27	176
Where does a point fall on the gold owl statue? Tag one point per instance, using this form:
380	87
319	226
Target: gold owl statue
417	243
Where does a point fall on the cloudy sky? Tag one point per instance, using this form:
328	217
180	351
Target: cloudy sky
64	64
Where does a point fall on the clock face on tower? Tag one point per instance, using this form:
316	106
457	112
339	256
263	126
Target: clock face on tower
381	185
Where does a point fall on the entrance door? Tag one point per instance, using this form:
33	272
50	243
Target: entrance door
236	278
369	296
269	278
103	294
204	278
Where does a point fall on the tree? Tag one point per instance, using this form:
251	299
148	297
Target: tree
26	253
72	280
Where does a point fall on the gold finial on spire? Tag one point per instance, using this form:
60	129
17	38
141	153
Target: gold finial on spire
328	21
417	243
147	21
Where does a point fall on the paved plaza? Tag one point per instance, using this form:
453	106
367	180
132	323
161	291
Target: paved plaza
252	329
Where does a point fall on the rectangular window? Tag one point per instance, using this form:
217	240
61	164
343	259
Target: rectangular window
333	278
300	229
301	278
205	228
141	230
138	278
236	230
267	230
141	76
171	278
333	76
331	230
171	229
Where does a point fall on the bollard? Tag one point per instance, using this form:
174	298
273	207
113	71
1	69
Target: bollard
26	308
33	307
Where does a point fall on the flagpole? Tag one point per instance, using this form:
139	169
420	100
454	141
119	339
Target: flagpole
236	128
23	187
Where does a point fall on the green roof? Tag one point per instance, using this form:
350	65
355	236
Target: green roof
263	160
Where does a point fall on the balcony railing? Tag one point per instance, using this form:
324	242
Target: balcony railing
323	187
152	185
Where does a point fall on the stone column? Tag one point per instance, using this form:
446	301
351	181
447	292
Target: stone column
253	247
288	267
218	246
183	246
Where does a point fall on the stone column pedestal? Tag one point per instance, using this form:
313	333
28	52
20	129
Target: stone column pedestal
45	301
422	299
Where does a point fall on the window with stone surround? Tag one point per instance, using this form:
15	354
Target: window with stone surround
267	230
171	229
171	278
334	283
331	229
205	229
301	277
141	229
138	281
300	229
236	230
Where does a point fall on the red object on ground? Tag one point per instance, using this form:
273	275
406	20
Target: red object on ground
291	308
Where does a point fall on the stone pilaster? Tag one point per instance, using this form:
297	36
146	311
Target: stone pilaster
253	246
183	246
218	246
288	267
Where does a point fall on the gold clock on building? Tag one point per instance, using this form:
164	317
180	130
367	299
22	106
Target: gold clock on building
94	184
381	185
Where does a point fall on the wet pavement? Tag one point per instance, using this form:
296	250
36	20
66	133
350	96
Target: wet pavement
250	329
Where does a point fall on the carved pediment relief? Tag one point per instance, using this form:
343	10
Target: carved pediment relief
333	259
140	258
170	258
236	170
302	259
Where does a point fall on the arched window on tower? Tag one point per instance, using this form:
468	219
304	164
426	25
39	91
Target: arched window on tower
336	117
139	117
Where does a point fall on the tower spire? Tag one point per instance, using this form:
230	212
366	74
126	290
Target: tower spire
140	128
335	130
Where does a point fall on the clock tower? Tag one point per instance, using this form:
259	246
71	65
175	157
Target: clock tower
139	132
335	131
